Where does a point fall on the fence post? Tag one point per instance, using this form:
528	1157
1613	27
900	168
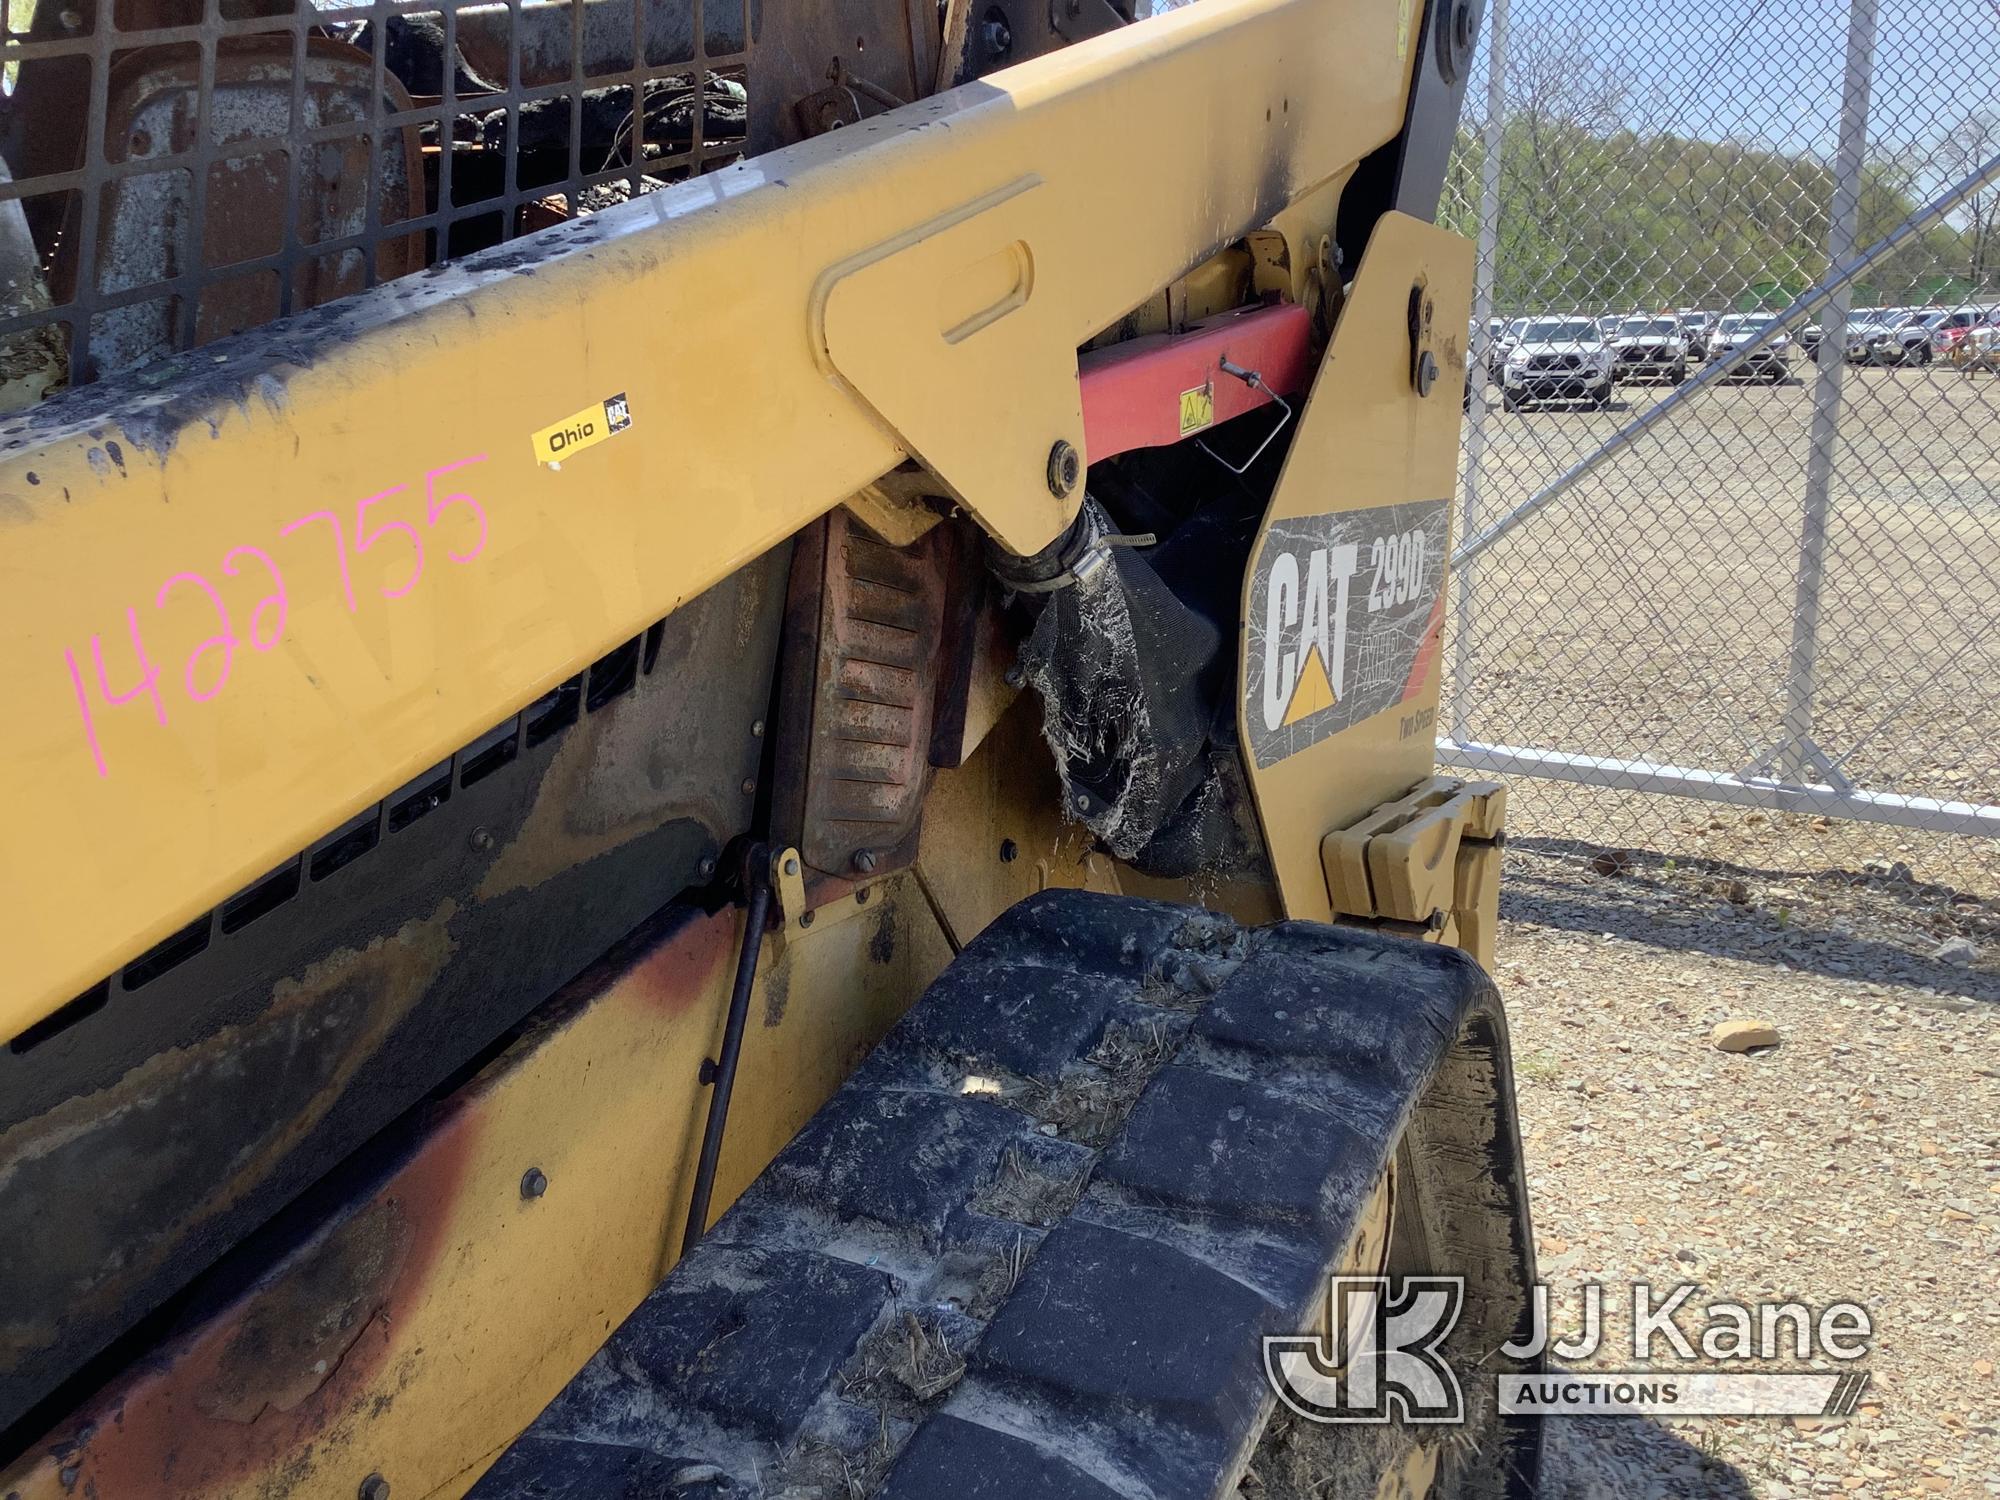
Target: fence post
1797	754
1464	628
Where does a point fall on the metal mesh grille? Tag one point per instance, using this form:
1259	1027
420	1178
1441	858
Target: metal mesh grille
183	169
1763	578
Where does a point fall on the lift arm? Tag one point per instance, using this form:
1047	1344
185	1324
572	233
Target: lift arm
253	591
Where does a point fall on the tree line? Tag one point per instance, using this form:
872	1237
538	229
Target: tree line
1599	216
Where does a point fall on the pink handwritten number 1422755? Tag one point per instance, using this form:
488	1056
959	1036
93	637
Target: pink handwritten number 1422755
206	672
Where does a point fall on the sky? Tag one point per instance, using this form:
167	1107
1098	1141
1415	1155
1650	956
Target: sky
1769	71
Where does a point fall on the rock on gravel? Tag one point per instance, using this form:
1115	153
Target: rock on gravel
1742	1036
1958	950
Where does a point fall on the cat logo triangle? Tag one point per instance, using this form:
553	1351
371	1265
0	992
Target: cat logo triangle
1312	692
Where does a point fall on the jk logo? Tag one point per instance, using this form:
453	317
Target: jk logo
1377	1356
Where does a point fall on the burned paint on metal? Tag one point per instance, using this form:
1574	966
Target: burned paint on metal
150	1136
296	1334
258	1392
149	1139
288	1382
667	964
882	943
601	794
775	979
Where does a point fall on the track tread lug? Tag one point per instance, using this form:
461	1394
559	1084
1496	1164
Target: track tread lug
1014	1018
964	1460
1122	1323
748	1338
948	1145
1243	1151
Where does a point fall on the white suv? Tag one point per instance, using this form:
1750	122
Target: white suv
1649	349
1902	338
1738	329
1557	359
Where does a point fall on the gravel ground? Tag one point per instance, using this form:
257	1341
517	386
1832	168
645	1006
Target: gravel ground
1858	1159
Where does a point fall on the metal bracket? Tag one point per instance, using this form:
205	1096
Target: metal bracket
1806	753
788	882
1075	20
839	103
1425	865
1398	861
993	324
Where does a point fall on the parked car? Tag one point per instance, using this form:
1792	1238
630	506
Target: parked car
1557	359
1949	329
1649	349
1769	363
1695	328
1813	334
1502	345
1873	337
1903	339
1858	319
1863	327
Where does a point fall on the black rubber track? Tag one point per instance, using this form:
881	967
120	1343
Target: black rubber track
1029	1251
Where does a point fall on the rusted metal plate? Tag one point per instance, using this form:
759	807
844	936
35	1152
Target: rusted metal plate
817	67
866	655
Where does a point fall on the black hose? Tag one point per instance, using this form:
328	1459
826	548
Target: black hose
759	878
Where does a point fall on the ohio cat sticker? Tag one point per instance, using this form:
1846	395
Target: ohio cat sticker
1344	616
582	429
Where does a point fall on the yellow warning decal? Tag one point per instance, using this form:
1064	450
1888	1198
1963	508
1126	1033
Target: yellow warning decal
582	429
1403	31
1197	409
1313	691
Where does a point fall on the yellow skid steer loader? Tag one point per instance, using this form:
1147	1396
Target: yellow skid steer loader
719	769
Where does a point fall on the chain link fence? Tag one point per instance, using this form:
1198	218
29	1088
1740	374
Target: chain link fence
1735	606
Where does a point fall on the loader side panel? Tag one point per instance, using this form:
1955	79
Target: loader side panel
1344	597
725	337
203	1092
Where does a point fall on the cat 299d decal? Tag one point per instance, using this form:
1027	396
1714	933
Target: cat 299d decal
1344	616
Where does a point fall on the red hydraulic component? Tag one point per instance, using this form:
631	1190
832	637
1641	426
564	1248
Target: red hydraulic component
1159	389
